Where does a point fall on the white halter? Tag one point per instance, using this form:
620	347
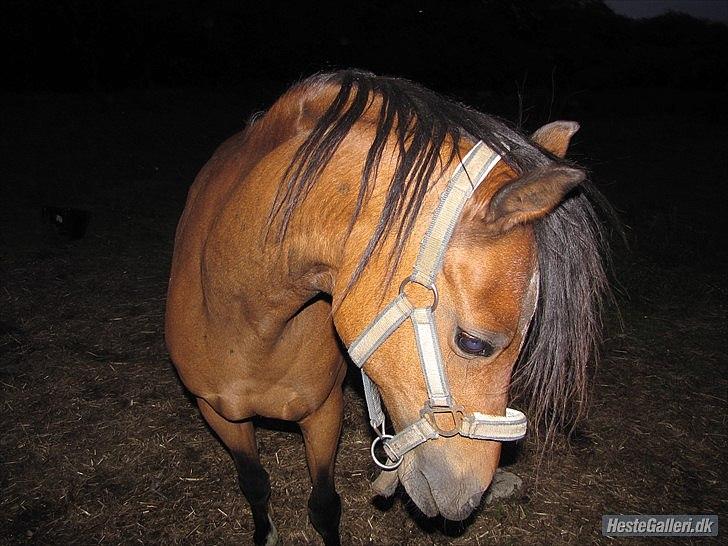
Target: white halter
479	161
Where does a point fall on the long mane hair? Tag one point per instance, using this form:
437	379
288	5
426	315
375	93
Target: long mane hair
551	373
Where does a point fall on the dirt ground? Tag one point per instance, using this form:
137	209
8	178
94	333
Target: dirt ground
101	444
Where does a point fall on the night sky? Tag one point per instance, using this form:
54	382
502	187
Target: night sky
81	46
714	10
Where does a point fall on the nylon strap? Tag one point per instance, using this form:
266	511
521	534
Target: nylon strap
428	347
380	329
374	402
409	438
477	426
480	426
368	341
461	186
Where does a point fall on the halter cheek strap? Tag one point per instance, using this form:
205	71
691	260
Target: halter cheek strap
474	168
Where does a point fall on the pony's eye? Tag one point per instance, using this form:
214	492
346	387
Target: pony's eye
473	345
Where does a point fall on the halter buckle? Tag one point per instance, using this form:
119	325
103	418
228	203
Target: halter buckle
432	288
456	412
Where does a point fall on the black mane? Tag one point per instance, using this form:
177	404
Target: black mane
422	122
565	333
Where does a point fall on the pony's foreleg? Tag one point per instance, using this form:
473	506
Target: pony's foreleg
321	431
239	438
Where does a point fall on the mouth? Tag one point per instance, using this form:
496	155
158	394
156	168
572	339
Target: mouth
446	501
418	489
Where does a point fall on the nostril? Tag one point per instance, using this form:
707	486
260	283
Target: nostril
474	501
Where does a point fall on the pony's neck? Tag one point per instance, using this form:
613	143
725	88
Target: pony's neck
314	246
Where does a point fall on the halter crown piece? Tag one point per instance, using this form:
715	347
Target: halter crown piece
474	168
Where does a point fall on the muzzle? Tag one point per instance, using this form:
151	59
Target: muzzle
440	414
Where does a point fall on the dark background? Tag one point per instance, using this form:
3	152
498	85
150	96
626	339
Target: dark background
569	45
112	108
197	70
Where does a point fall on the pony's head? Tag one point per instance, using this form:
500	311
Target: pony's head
487	296
517	291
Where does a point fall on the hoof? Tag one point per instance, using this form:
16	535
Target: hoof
504	485
272	538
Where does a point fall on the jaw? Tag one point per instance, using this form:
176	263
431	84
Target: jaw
449	483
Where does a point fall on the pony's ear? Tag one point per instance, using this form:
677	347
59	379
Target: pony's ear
555	136
529	197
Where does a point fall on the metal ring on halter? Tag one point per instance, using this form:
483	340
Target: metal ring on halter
380	464
433	289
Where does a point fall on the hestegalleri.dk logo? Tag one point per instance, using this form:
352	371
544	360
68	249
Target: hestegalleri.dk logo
673	525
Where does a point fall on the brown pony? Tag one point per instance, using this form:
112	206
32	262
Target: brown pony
298	232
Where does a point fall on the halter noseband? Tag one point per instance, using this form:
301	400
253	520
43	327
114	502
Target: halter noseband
480	160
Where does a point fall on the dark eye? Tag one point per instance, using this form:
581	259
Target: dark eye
473	345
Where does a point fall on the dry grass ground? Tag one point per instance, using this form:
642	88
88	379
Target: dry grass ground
100	443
